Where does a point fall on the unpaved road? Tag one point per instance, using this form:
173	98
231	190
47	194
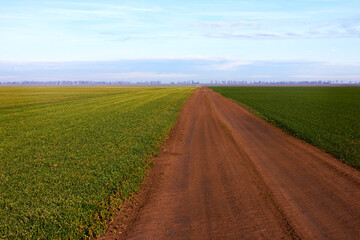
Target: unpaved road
229	175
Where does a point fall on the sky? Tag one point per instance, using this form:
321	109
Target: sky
180	40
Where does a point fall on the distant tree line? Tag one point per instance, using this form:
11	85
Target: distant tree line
180	83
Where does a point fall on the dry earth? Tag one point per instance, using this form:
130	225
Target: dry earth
226	174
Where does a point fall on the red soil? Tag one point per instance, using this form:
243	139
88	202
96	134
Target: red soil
226	174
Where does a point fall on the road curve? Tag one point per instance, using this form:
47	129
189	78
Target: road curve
230	175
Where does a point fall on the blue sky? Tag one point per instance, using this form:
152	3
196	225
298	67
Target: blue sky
180	40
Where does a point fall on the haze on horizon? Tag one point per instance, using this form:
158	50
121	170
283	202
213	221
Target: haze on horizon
179	40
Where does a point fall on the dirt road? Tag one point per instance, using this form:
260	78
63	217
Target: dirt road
229	175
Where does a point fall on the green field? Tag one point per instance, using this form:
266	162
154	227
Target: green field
69	156
327	117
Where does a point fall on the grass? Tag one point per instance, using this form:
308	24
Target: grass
327	117
69	156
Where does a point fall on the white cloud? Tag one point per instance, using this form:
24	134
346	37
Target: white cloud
255	15
258	35
226	66
103	6
290	29
61	10
261	76
322	34
234	23
341	64
82	14
7	77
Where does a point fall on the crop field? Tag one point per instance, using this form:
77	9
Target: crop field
69	156
327	117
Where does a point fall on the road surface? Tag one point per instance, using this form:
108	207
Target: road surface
227	174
